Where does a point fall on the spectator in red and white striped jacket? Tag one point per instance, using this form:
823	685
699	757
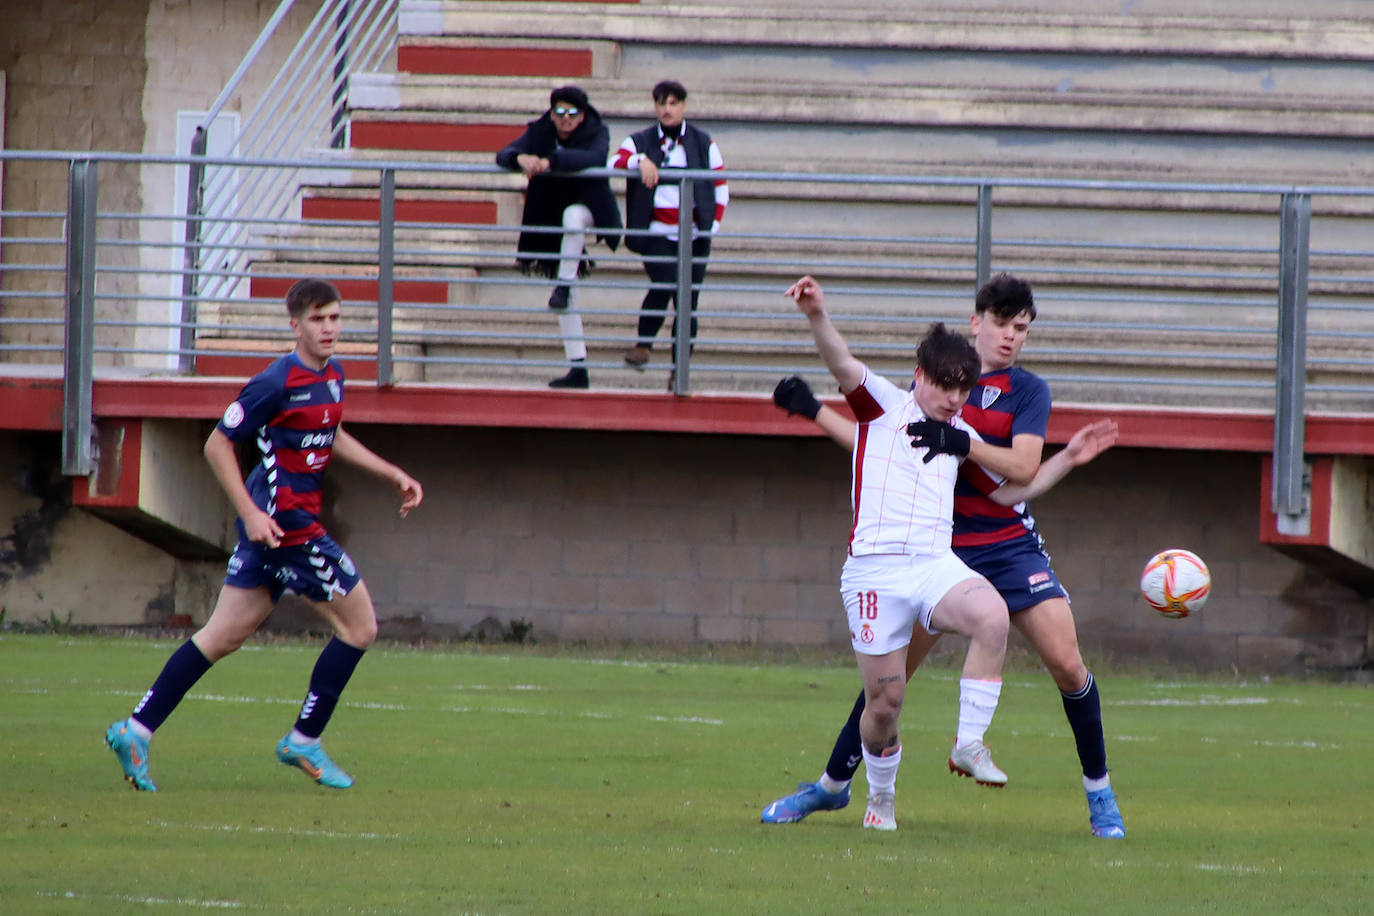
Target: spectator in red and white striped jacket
652	201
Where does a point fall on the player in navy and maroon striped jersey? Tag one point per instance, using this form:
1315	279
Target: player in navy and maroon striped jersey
293	410
995	535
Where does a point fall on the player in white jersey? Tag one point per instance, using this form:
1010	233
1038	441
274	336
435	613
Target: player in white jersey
901	571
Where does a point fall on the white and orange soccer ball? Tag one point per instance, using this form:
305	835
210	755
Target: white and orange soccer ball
1175	582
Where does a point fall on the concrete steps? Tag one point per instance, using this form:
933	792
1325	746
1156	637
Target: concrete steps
469	111
1234	29
1161	286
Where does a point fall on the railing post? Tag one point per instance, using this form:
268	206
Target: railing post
983	254
78	353
190	261
1291	484
340	94
682	340
386	258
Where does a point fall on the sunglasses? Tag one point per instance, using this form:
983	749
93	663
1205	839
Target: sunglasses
561	112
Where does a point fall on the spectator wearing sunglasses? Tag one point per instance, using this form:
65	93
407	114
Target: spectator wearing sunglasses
560	211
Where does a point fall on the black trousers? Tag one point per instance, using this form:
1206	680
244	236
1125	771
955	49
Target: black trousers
657	300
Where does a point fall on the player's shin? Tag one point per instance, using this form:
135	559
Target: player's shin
332	671
185	666
1084	711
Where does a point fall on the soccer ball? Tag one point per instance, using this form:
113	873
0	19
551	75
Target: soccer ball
1175	582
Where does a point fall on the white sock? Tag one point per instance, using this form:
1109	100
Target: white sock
301	740
140	729
574	347
1096	785
977	703
832	785
882	771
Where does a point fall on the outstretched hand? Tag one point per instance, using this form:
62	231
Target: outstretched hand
938	439
795	396
1091	441
412	494
807	293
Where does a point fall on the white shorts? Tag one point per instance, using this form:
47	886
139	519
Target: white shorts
885	595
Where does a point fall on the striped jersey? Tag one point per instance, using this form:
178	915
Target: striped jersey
293	411
667	196
1002	405
902	505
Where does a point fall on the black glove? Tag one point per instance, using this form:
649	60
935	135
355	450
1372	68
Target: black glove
938	439
794	396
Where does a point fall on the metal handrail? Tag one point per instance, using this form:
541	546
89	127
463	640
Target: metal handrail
301	107
1184	312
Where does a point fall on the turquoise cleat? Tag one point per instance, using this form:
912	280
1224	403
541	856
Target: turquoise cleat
132	752
1104	815
314	762
809	797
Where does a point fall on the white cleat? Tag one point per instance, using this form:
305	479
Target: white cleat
975	761
880	814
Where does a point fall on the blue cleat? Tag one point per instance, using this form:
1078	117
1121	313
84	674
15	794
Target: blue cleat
132	752
1105	816
314	762
809	797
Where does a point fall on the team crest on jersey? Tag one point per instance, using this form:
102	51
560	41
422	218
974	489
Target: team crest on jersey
990	394
333	389
233	415
866	635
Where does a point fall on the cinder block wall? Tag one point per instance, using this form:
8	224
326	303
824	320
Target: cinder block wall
666	538
691	539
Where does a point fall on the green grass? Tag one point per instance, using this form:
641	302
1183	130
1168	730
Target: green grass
529	783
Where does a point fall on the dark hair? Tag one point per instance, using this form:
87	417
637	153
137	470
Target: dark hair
1006	297
666	88
947	359
572	95
305	294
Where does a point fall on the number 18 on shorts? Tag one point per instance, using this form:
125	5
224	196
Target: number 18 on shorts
886	595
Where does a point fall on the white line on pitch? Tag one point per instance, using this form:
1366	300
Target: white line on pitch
238	828
148	901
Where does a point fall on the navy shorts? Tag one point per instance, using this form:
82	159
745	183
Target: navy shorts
318	569
1020	571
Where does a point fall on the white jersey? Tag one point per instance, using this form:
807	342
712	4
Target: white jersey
902	505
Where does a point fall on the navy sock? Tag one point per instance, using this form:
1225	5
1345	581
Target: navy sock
332	671
848	753
1084	710
183	669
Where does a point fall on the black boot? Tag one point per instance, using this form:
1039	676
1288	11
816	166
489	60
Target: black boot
576	378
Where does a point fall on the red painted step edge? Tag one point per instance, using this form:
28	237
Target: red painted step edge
407	211
487	61
360	289
433	136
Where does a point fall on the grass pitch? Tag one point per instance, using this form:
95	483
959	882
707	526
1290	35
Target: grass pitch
524	783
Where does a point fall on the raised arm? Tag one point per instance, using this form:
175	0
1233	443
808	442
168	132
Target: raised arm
795	396
810	299
1085	445
349	449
